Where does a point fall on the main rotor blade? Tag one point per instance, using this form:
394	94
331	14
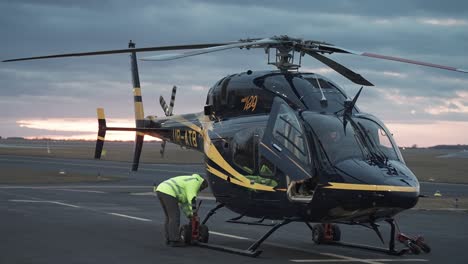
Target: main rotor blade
105	52
173	56
331	49
349	74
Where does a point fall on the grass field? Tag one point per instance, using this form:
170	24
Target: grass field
427	166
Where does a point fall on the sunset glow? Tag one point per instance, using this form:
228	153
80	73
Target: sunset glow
79	129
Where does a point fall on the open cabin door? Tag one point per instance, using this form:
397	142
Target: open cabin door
284	151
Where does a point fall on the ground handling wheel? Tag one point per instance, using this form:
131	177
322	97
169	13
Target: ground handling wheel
414	248
318	234
326	233
336	232
421	244
424	247
186	234
203	234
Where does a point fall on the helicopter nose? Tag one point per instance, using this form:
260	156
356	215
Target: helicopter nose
396	199
378	187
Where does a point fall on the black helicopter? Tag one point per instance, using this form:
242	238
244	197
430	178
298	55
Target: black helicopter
285	145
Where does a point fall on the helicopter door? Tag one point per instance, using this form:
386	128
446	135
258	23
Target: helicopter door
284	146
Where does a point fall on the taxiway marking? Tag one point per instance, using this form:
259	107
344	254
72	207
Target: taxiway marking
72	190
228	235
131	217
44	201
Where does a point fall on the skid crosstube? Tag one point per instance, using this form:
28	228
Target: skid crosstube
252	250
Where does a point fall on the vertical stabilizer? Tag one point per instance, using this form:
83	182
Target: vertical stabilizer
101	133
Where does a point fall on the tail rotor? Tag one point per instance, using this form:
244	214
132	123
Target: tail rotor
168	112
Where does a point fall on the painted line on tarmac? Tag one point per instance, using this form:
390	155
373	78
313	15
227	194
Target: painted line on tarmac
143	194
44	201
131	217
72	190
227	235
350	259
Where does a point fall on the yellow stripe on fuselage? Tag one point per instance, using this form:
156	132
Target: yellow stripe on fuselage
213	154
370	187
219	174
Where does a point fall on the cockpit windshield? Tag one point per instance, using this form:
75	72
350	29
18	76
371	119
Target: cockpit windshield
337	144
364	138
379	138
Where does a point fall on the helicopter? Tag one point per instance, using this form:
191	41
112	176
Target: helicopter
284	145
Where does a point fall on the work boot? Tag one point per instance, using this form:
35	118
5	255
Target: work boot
178	243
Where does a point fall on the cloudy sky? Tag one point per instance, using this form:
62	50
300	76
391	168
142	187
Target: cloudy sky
58	97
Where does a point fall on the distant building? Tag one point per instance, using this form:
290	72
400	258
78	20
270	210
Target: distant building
15	138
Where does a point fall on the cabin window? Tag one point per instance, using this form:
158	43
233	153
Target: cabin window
245	147
289	133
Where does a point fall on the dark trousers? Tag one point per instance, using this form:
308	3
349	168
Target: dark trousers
171	210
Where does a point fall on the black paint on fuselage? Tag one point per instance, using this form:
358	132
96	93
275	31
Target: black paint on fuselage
287	146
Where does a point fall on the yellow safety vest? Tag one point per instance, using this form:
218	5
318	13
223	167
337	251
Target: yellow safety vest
184	189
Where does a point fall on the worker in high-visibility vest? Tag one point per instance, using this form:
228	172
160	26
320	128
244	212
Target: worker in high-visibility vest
178	191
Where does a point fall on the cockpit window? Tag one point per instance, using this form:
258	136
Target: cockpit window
280	86
337	144
323	84
362	139
379	137
244	150
309	91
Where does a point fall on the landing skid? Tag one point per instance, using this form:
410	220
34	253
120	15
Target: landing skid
413	245
252	251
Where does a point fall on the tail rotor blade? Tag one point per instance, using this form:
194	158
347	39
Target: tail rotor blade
163	148
171	103
163	104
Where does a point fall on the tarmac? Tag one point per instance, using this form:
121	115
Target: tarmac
122	222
